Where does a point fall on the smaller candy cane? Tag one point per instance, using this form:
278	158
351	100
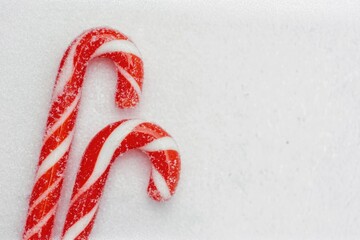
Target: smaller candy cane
105	147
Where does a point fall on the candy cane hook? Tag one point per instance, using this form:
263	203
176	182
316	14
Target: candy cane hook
100	42
104	148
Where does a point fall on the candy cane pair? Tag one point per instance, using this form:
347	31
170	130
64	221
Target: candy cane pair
112	141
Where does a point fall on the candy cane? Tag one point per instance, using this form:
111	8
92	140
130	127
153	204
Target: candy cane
114	140
100	42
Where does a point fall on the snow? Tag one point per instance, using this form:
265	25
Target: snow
262	98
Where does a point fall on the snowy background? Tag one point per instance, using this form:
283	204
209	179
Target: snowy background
261	96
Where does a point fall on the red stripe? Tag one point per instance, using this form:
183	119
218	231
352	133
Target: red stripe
59	106
129	62
126	95
45	231
85	202
92	41
136	69
62	62
48	179
133	140
153	191
86	232
168	164
90	156
44	207
152	129
58	136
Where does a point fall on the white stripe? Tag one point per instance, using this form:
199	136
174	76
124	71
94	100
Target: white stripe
80	225
117	46
40	224
44	194
66	71
68	67
130	79
161	144
63	117
107	152
54	156
160	184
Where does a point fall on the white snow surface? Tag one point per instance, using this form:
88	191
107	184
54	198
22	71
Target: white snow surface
262	98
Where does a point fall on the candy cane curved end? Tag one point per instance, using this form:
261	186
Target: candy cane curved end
98	42
111	142
104	43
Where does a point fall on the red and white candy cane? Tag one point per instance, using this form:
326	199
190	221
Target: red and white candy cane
100	42
114	140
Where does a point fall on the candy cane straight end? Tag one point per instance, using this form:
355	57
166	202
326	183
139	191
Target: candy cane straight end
104	148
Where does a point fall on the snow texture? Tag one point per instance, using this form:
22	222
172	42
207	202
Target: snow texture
262	98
